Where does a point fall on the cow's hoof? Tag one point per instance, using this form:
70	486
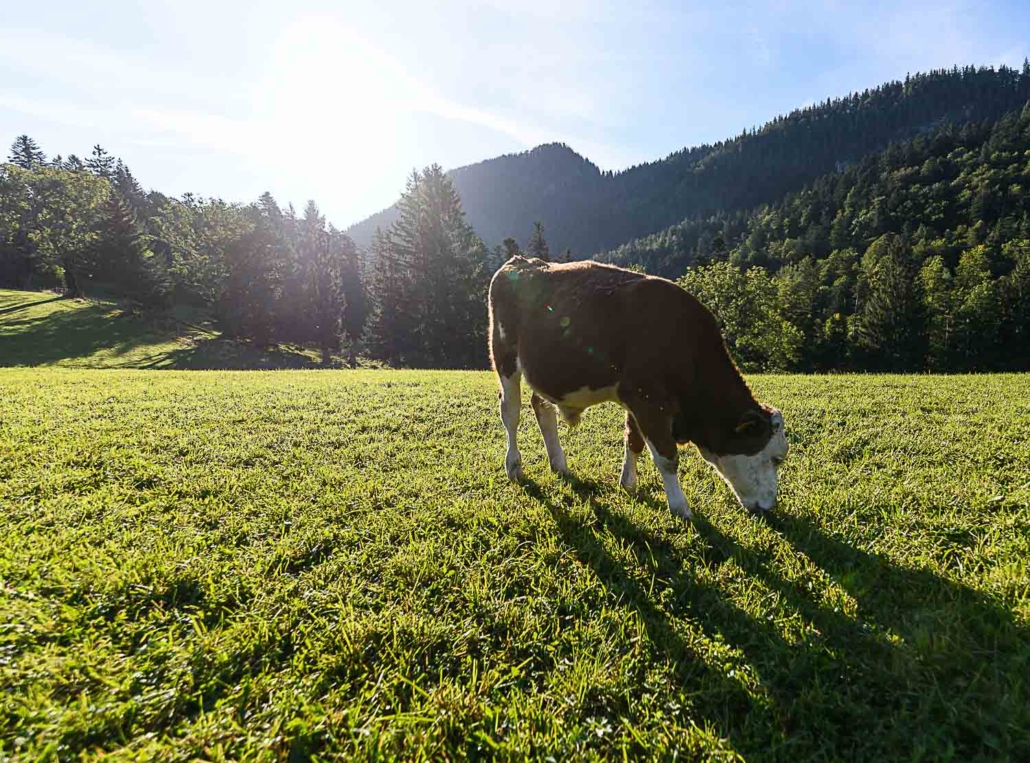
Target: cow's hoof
629	485
560	468
683	511
513	469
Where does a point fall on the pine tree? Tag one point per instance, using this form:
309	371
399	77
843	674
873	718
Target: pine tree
391	328
356	304
511	248
121	258
891	326
431	284
129	189
938	299
101	163
322	253
25	153
537	246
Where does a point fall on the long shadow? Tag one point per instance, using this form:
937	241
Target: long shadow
27	305
884	683
726	704
229	354
45	339
68	335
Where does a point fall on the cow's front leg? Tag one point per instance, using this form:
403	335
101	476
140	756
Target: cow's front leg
656	426
547	420
511	404
634	447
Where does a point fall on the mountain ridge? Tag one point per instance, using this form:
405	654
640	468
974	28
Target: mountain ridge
589	210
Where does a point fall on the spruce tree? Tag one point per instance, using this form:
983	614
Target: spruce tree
391	326
118	252
537	246
891	318
25	153
511	248
355	298
101	163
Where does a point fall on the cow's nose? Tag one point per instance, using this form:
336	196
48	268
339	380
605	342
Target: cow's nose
763	507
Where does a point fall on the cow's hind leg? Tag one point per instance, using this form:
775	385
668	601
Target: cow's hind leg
547	420
634	447
656	427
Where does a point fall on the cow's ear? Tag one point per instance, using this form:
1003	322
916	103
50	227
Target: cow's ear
753	425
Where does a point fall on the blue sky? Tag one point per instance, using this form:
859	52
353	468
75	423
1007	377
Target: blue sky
338	101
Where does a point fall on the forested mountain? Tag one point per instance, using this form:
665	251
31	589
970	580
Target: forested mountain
589	211
916	257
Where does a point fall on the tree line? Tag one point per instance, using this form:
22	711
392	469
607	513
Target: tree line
911	257
415	297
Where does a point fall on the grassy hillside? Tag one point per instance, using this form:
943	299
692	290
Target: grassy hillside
212	565
44	329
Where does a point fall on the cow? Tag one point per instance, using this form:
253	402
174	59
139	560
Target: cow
584	333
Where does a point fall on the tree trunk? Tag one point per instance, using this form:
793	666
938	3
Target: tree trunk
353	361
325	355
71	283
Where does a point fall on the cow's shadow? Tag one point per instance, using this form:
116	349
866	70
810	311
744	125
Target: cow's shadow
888	673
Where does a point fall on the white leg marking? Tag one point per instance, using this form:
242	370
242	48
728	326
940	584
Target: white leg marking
548	422
511	404
673	491
629	470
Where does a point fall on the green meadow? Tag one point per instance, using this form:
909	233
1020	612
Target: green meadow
45	329
297	564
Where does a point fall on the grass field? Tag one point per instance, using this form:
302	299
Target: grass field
45	329
224	565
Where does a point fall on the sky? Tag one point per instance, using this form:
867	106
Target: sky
339	101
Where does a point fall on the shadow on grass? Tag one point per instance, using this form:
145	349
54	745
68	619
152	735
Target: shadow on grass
217	353
927	668
26	305
90	329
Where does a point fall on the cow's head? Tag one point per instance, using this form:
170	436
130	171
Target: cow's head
755	449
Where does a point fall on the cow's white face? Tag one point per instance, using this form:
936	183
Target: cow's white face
753	478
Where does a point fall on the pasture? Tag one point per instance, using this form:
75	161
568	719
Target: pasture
43	329
249	565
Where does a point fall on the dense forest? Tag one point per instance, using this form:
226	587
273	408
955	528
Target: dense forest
268	274
887	230
587	210
917	257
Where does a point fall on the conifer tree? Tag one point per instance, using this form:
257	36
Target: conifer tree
511	248
392	326
121	258
891	328
355	297
25	153
101	163
537	246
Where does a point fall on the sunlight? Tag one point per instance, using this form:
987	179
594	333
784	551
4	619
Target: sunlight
328	87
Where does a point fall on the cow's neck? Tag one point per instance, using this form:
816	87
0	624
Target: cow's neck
718	401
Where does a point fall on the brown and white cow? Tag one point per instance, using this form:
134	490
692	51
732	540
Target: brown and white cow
584	333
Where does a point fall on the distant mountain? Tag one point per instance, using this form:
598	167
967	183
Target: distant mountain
504	196
591	211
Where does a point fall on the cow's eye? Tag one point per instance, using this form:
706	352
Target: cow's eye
777	460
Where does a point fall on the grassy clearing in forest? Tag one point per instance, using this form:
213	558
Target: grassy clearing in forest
46	329
237	565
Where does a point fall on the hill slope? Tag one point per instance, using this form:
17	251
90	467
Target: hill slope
46	329
589	211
